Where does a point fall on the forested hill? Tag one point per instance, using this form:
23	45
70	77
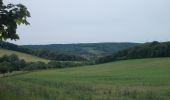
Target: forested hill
14	47
41	53
147	50
87	50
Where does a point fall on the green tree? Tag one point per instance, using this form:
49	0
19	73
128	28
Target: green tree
22	64
4	68
13	58
4	58
12	15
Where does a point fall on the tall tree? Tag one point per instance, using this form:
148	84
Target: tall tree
12	15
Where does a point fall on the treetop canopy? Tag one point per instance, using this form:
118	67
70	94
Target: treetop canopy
12	15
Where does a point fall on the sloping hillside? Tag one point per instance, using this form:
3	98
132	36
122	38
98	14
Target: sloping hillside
46	54
26	57
14	47
148	50
139	79
87	50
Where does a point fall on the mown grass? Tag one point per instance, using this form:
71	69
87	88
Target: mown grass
142	79
26	57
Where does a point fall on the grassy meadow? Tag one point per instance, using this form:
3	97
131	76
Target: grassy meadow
138	79
26	57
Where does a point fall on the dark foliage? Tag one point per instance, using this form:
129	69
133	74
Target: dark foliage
42	53
147	50
12	15
4	67
86	50
35	66
69	52
11	46
66	64
13	63
58	56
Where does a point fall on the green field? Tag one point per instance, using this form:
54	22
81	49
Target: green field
26	57
141	79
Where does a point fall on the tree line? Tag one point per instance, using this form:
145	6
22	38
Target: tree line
51	55
89	51
47	54
12	63
148	50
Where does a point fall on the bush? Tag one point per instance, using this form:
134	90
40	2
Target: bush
4	67
36	66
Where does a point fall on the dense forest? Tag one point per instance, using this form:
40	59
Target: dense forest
51	55
69	52
147	50
87	50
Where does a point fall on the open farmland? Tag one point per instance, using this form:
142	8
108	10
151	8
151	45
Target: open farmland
141	79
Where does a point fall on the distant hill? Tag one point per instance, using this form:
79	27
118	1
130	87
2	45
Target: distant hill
26	57
147	50
87	50
14	47
47	54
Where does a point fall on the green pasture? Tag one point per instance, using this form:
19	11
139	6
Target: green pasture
138	79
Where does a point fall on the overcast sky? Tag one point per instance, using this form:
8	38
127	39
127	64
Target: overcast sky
84	21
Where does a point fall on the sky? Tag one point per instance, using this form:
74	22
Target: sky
91	21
